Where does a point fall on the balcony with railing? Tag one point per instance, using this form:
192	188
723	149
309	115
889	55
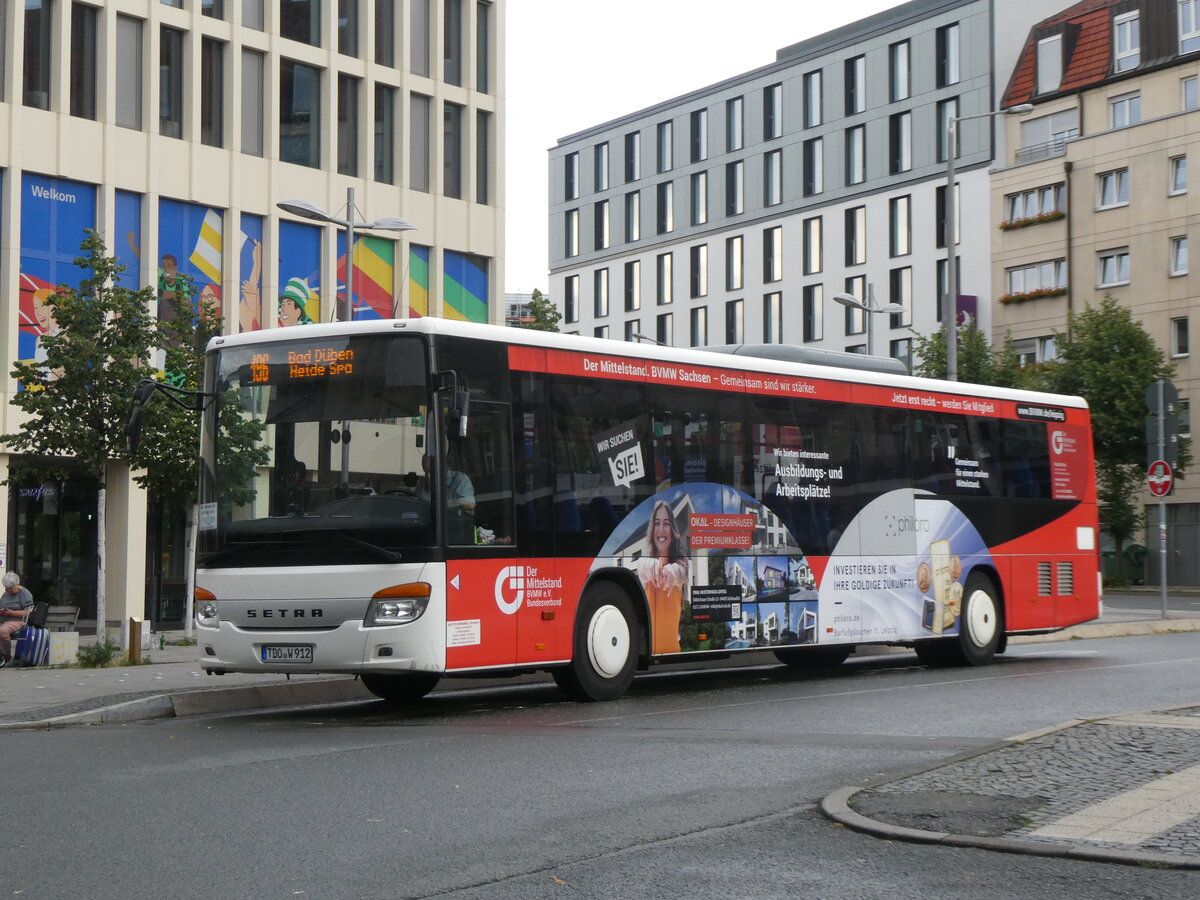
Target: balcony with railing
1056	146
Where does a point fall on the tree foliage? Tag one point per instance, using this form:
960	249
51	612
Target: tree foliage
978	361
545	316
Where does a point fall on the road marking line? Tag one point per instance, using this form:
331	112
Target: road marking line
1134	816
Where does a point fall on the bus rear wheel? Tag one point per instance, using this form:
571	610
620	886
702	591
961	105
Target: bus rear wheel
604	654
813	657
980	628
400	687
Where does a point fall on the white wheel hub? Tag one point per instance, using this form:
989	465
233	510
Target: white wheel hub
981	618
608	641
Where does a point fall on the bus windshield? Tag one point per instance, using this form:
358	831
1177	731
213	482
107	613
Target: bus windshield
312	452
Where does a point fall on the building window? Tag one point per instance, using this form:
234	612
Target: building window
899	75
664	279
1049	64
734	124
773	318
1114	267
600	331
347	125
773	178
1189	89
600	225
665	156
385	32
419	19
253	15
214	9
483	46
1112	189
899	143
1179	255
571	298
600	293
699	198
385	136
814	312
947	110
901	349
633	285
1046	136
1048	277
939	212
735	200
699	317
452	150
632	331
698	270
483	155
83	61
633	156
856	154
772	112
665	329
900	226
733	263
734	322
900	288
947	55
300	20
855	318
347	27
212	92
170	83
856	85
633	216
699	135
600	166
856	236
571	176
1179	337
1179	180
129	77
452	42
812	99
1127	42
773	254
666	207
813	166
571	247
419	142
812	246
1189	25
1125	110
1032	204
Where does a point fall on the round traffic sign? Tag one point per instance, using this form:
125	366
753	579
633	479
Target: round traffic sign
1159	478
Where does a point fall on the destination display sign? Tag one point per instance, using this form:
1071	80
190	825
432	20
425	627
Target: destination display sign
277	365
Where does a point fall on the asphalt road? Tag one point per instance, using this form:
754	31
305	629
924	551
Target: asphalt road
699	785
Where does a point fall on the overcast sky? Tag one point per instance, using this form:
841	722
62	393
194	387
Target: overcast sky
573	64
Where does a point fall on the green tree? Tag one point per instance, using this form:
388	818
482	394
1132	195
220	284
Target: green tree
541	310
978	361
75	402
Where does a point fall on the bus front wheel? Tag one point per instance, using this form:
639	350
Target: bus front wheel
400	687
980	628
604	654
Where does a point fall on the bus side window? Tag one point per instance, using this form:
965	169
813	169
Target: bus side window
484	457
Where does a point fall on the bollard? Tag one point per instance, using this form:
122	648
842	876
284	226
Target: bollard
135	640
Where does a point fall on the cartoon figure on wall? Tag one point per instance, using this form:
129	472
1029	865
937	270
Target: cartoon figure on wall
36	317
250	304
295	301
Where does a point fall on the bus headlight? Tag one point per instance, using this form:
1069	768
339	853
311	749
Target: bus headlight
206	608
398	604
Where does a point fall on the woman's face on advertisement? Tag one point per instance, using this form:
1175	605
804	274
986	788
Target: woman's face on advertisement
662	531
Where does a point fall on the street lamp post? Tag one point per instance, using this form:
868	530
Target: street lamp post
870	307
307	210
950	300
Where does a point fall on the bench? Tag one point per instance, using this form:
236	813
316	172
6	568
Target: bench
62	618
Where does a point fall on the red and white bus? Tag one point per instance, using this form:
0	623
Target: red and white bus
446	499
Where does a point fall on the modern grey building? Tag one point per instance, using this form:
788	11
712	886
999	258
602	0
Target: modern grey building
736	212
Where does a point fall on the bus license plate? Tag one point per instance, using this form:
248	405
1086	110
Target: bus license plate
290	653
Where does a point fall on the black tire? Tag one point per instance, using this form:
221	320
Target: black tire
814	657
400	687
604	654
980	627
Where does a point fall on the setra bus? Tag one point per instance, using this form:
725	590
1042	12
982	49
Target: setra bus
449	499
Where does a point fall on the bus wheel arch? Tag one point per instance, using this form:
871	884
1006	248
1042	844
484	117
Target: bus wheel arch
980	626
400	687
605	647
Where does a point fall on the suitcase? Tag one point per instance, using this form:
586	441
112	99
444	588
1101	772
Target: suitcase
32	647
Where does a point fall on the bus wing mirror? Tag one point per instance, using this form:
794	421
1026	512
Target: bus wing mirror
460	403
133	425
462	407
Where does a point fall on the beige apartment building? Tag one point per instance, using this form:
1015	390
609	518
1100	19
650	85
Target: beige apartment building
1094	196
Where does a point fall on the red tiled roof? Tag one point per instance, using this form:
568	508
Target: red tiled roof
1090	59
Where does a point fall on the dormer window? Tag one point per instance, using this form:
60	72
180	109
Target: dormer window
1049	64
1127	42
1189	25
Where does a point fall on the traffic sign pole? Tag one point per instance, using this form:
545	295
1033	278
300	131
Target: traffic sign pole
1162	503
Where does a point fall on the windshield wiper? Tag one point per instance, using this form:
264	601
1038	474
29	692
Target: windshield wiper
386	554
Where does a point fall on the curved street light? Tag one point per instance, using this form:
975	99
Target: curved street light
870	307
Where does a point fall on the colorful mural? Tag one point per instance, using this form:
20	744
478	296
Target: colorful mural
189	246
127	238
464	287
418	281
374	275
299	273
250	261
54	214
